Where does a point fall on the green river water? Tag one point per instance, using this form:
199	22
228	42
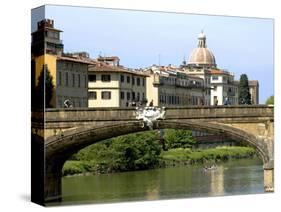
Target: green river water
244	176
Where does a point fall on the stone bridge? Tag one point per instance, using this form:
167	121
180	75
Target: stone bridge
62	132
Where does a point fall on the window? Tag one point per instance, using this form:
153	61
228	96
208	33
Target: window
92	95
138	96
122	95
122	78
105	78
85	81
106	95
138	81
59	78
143	81
66	78
133	80
128	79
169	100
215	77
73	80
92	78
79	83
128	95
133	96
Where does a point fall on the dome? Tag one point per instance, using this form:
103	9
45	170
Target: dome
202	55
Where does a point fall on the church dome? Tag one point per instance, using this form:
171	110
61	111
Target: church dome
201	55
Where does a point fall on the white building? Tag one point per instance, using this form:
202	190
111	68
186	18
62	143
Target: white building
224	89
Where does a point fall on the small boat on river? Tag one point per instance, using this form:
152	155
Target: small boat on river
210	168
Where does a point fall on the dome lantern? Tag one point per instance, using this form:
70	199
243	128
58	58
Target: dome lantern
202	40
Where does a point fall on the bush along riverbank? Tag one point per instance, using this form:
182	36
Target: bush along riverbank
140	151
180	156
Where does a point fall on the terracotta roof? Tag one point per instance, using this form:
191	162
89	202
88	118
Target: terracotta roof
102	67
108	58
77	60
218	71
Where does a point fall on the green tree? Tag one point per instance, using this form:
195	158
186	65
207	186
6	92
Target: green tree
45	88
129	152
179	138
136	151
244	96
270	100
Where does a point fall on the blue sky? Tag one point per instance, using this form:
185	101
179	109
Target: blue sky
240	45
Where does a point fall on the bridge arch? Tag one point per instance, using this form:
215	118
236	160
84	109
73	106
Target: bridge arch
64	145
60	147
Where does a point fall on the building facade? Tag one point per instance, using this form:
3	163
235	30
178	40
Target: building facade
224	90
167	86
72	82
69	72
112	85
254	91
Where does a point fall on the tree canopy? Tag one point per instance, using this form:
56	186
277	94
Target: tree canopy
270	100
244	96
44	89
178	138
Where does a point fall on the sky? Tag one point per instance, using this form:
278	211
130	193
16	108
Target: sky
141	38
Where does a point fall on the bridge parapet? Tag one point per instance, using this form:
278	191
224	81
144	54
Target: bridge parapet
123	114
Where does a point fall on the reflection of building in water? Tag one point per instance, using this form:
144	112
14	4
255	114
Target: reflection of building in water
217	182
152	193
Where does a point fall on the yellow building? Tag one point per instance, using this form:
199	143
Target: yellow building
115	86
68	71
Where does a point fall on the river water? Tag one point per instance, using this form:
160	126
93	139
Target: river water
244	176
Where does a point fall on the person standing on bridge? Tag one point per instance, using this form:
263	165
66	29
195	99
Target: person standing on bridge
216	102
151	103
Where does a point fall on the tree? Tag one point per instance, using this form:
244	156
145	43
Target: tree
270	100
244	96
178	138
135	151
44	89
